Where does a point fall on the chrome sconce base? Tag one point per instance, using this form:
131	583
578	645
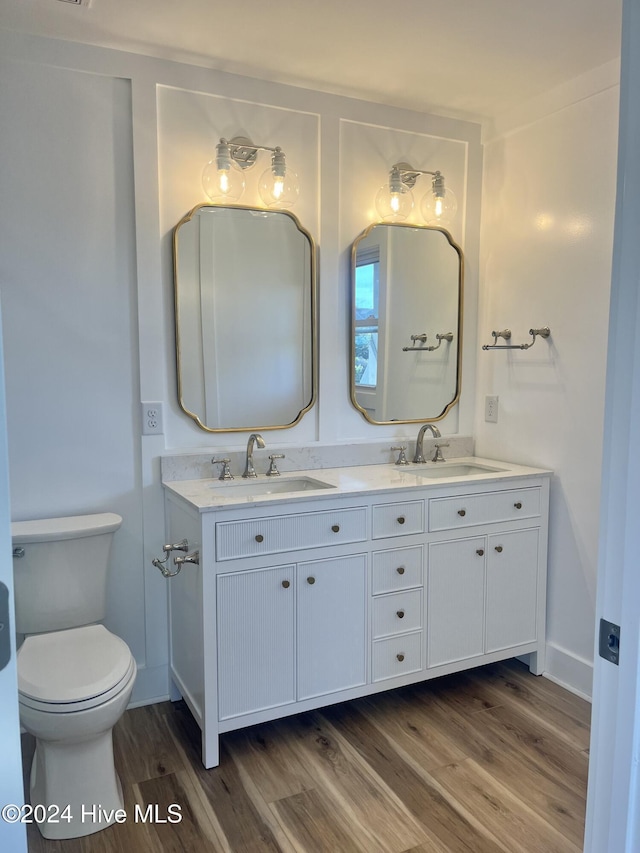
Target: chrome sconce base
243	152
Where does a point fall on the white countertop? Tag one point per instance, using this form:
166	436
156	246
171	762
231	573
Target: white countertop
210	494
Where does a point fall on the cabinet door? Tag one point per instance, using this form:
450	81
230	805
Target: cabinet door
256	636
455	600
512	586
331	625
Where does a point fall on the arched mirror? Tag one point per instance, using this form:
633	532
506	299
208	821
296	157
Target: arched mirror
406	336
245	306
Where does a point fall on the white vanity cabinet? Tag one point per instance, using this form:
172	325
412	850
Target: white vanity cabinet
290	633
483	589
299	603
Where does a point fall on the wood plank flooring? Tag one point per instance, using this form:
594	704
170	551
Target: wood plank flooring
492	760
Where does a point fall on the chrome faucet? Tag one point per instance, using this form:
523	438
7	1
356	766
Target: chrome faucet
255	437
435	432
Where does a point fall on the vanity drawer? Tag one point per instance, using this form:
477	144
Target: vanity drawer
398	568
397	656
271	535
398	519
397	613
469	510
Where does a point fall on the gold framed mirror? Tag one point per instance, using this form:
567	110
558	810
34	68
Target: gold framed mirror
406	323
245	318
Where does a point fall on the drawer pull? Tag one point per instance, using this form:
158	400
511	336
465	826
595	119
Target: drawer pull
499	549
311	579
286	584
401	519
400	657
480	552
259	537
400	570
518	505
335	528
462	512
400	614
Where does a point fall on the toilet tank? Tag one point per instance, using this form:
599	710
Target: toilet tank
61	578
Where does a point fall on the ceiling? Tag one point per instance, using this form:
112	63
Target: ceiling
472	59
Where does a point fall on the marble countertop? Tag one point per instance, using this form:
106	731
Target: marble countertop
210	494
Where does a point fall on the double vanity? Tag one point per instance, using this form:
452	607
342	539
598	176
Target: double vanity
319	586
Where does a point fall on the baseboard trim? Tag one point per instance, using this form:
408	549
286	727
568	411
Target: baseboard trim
152	685
569	671
562	667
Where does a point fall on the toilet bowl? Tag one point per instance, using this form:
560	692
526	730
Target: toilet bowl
74	682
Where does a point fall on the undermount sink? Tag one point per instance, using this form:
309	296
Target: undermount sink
273	486
462	469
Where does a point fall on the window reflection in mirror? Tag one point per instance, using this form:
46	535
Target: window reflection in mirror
367	299
406	323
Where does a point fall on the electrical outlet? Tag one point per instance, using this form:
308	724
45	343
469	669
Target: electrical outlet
491	410
152	419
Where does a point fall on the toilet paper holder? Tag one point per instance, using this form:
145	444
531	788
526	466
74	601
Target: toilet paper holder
189	557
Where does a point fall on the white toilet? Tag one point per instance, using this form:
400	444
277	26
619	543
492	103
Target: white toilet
74	677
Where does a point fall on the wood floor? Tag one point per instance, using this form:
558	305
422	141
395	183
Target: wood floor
489	760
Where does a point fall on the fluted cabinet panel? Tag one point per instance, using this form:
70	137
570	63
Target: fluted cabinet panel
331	625
397	519
397	613
512	587
256	663
397	568
279	533
488	508
455	596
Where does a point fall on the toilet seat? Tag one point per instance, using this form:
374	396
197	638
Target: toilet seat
73	670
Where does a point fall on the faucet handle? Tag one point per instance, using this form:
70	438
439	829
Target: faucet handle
273	470
402	459
437	456
225	473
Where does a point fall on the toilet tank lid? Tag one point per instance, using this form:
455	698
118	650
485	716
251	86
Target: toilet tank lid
69	527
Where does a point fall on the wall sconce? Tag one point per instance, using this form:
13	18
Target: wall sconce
223	176
394	200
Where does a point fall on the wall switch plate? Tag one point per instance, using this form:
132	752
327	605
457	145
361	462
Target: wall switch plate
491	410
152	419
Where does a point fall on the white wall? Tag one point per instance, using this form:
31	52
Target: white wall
68	288
547	231
102	155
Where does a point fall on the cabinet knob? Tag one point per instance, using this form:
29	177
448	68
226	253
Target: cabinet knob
335	528
400	614
480	552
499	549
286	584
400	570
401	519
311	579
259	537
462	512
518	505
400	657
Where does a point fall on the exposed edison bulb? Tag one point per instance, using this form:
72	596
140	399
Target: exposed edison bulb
278	186
439	206
394	200
222	180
